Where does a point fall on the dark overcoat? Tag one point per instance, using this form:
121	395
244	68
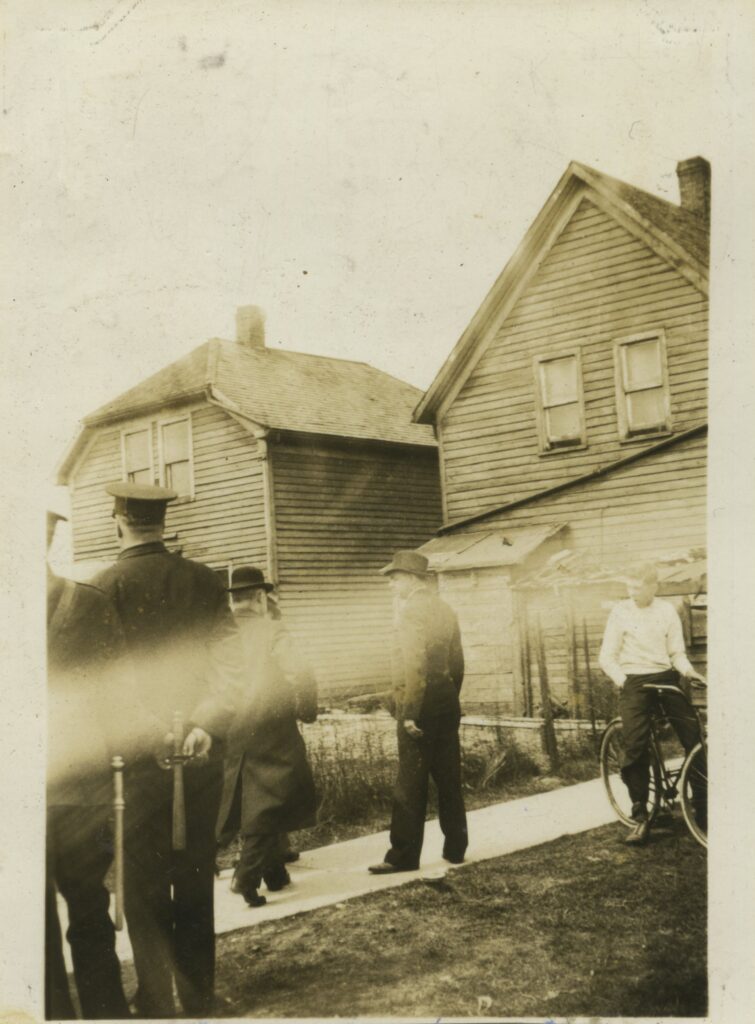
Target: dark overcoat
267	757
427	658
182	641
85	645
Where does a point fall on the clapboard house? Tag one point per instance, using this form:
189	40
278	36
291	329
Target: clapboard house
307	466
571	421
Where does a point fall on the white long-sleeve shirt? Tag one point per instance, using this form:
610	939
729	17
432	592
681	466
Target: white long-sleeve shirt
640	641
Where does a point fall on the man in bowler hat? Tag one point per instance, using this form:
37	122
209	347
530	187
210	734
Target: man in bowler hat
187	658
428	669
269	789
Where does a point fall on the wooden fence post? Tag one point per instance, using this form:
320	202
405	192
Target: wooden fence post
571	656
549	732
588	674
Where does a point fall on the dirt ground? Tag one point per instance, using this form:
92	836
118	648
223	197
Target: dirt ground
582	926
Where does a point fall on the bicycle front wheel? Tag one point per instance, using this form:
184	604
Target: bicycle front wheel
693	786
611	757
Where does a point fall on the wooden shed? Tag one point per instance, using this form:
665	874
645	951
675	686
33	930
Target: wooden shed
310	467
576	399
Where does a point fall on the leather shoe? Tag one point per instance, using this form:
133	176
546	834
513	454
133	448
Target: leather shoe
384	868
291	856
454	860
252	897
277	879
638	835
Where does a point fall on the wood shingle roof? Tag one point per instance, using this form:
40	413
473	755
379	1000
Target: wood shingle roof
282	390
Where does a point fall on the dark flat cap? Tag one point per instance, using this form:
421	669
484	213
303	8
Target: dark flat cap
407	561
142	504
249	577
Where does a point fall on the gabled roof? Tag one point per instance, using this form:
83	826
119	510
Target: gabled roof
676	234
278	390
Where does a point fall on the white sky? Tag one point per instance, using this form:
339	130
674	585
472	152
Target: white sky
362	171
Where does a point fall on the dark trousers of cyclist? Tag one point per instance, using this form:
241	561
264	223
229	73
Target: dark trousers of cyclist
636	707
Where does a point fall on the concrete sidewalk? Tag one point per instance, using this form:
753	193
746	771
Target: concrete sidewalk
332	874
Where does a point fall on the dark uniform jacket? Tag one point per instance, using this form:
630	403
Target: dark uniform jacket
266	753
182	641
85	645
427	658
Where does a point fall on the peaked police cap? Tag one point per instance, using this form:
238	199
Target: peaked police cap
141	504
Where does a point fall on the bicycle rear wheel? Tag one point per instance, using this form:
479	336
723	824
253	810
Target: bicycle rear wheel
611	752
693	786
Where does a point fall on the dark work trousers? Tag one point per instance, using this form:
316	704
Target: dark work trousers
636	706
79	852
169	894
436	753
262	853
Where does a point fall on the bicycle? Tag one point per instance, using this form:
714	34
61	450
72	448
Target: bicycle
674	775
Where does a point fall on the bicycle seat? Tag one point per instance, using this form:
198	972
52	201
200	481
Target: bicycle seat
668	687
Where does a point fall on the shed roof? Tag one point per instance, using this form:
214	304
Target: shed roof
678	235
487	549
682	570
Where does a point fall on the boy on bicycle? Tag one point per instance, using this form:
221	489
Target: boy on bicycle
644	643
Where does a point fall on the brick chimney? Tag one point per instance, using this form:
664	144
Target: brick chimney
694	186
250	326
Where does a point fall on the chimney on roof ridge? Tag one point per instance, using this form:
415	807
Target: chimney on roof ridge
250	326
694	186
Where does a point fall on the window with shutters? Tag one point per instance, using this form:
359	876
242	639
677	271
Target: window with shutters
560	402
642	394
176	456
136	448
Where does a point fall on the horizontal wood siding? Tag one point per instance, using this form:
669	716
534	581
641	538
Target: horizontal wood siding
92	527
340	514
597	284
482	602
223	523
652	508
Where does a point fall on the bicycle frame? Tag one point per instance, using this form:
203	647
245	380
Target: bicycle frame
671	780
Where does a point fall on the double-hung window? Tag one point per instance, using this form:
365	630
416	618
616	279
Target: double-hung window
137	456
642	394
561	413
174	455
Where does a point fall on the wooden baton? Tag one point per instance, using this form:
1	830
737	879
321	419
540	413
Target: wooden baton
118	805
179	805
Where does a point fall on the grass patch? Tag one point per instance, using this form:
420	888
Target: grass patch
583	926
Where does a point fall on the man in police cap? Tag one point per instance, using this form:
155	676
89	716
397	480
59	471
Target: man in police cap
84	640
428	669
187	658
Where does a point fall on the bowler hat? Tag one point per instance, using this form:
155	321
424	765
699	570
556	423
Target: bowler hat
249	577
141	504
407	561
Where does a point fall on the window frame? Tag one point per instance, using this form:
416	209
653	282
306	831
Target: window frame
548	447
142	427
626	433
184	417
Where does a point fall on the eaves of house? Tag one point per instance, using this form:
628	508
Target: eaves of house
273	390
677	234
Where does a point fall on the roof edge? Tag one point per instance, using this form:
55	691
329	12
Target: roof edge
576	178
668	442
140	409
